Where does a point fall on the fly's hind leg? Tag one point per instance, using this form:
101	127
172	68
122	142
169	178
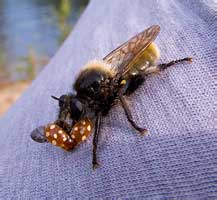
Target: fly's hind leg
163	66
135	81
142	131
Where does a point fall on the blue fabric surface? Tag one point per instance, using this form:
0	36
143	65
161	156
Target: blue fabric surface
177	160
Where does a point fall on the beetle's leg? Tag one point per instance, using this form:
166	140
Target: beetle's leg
163	66
95	140
142	131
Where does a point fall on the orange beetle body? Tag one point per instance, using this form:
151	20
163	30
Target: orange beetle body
58	137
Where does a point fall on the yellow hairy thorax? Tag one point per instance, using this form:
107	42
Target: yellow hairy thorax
100	66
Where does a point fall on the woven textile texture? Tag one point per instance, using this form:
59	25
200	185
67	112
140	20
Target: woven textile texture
177	160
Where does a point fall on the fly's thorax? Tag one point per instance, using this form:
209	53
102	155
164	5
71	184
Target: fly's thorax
91	81
97	65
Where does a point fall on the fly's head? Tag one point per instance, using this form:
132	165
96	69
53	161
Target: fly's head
71	127
69	107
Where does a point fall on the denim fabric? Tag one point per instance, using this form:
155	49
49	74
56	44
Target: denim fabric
177	160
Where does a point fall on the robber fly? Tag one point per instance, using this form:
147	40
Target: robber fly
100	85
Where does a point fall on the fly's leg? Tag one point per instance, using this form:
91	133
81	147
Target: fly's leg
136	80
95	140
163	66
142	131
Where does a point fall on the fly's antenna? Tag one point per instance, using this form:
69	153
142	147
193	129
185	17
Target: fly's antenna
56	98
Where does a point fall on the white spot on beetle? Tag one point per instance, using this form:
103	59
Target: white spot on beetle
88	127
54	142
73	137
52	126
47	134
83	138
55	135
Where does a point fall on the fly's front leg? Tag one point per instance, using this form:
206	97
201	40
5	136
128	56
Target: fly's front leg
142	131
95	140
163	66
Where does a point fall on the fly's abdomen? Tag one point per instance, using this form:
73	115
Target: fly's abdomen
136	75
147	59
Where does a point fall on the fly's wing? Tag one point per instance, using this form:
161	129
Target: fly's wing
123	57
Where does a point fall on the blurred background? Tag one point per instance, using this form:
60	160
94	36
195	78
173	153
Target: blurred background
30	33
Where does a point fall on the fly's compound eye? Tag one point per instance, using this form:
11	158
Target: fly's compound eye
58	137
62	100
81	130
76	108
